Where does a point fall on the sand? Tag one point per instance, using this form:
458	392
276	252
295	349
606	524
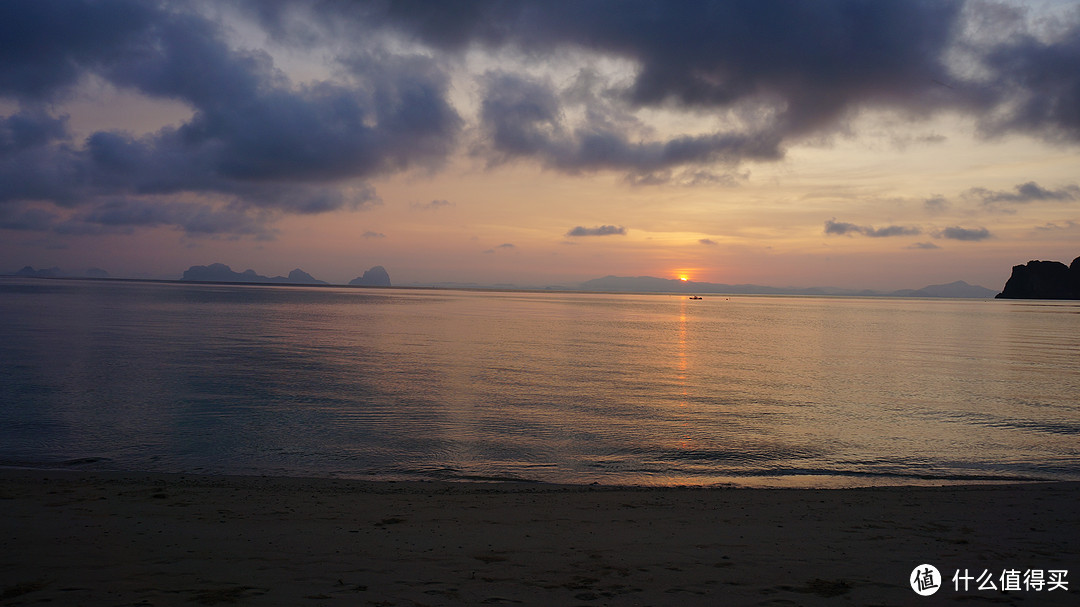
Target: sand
83	538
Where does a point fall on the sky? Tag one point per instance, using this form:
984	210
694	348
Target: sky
850	143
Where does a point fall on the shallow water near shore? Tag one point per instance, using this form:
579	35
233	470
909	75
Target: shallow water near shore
551	387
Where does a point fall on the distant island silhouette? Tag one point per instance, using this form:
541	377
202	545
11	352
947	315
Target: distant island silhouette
55	272
1043	280
650	284
375	277
219	272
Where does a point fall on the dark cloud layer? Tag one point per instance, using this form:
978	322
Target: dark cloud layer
47	46
193	218
781	70
1036	85
764	74
26	219
255	140
815	58
525	118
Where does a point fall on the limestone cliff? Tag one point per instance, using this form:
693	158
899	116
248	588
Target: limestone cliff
1043	280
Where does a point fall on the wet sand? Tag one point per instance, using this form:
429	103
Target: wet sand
85	538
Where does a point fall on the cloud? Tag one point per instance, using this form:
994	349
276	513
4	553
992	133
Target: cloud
1025	193
506	246
26	219
695	177
841	228
1033	83
936	204
811	62
434	205
193	218
892	231
762	75
923	246
125	215
46	47
707	241
254	138
524	118
1055	227
370	234
966	234
807	66
597	231
30	129
47	244
36	160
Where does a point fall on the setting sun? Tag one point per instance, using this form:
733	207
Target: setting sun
683	274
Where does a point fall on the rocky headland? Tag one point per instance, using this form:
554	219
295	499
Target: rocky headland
1043	280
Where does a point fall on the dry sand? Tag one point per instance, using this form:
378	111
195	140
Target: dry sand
79	538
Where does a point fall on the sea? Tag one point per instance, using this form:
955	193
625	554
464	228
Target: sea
549	387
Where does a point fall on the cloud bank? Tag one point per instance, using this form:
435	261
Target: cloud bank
256	141
761	75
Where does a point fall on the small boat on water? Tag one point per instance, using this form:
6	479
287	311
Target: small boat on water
694	297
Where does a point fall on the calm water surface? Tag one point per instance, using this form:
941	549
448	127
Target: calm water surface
555	387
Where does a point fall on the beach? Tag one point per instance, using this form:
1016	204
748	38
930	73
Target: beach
98	538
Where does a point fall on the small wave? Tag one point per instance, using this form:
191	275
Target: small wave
995	421
763	453
945	476
89	462
450	474
84	461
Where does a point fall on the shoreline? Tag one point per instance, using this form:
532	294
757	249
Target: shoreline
109	538
809	480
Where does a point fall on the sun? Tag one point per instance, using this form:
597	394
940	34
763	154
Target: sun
683	274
